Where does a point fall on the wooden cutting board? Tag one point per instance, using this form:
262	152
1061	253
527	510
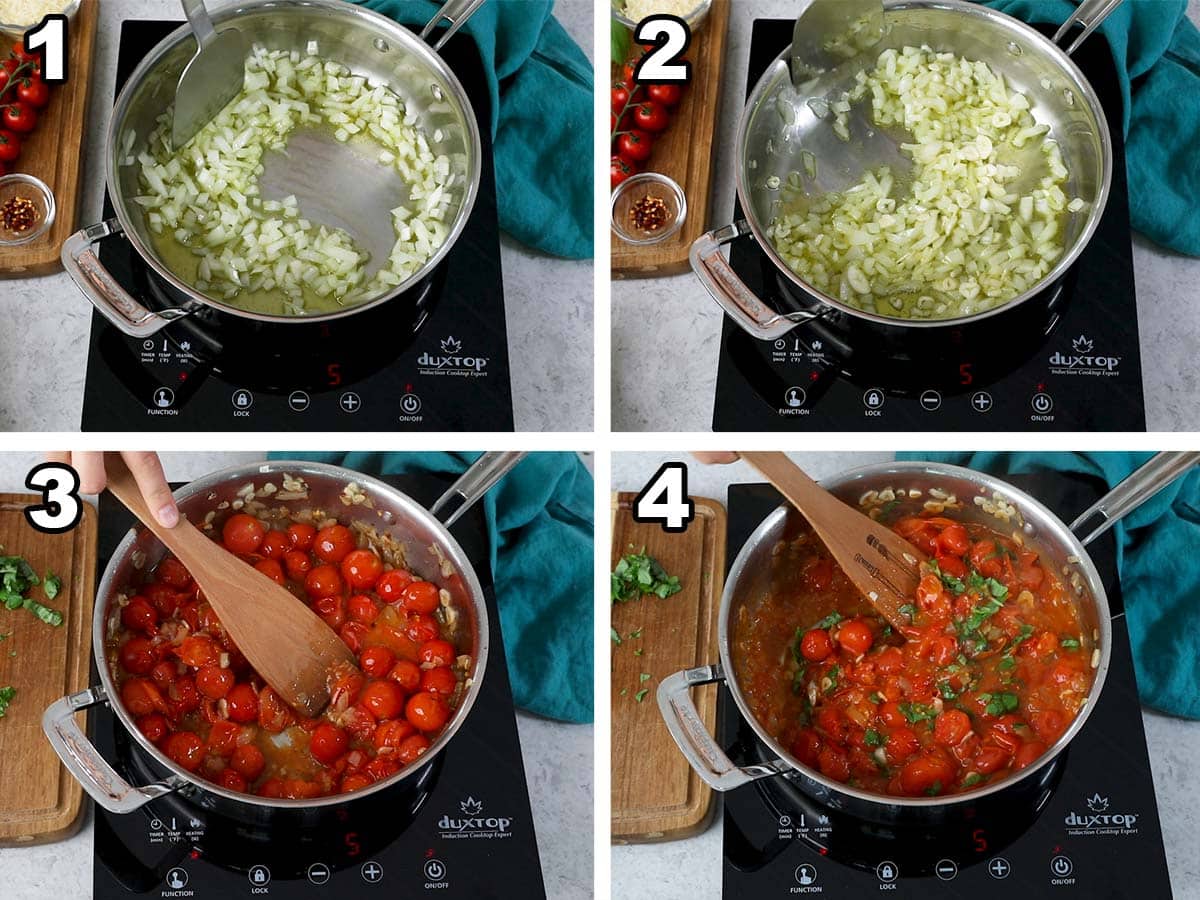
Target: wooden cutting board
656	796
39	800
55	150
685	152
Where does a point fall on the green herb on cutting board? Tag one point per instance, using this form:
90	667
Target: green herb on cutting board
51	585
17	578
638	574
644	676
616	638
6	696
641	695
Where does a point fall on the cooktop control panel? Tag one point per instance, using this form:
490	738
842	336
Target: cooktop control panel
1087	826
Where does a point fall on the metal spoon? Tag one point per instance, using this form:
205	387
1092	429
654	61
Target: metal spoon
212	79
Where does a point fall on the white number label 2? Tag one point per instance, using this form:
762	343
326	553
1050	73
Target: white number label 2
664	499
61	508
50	37
671	37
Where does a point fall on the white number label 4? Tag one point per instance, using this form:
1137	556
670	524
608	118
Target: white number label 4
664	500
671	37
50	38
61	508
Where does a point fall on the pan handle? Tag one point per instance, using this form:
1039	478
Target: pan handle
1089	15
699	747
83	761
1136	489
475	482
723	285
456	12
113	301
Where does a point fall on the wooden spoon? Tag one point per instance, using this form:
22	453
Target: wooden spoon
293	650
884	566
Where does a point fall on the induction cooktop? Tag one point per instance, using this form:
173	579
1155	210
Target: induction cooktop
433	359
1086	826
463	828
1068	360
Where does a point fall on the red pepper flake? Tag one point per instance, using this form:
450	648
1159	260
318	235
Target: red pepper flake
18	214
649	213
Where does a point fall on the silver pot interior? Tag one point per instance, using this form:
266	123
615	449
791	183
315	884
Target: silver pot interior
770	146
367	43
429	551
750	578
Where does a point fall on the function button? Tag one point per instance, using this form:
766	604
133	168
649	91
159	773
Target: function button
806	874
794	397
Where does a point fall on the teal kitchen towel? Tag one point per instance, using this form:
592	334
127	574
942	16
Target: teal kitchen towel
1157	53
540	83
540	529
1158	561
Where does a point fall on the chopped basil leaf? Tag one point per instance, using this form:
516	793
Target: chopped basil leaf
644	676
875	697
624	691
1069	643
873	738
934	789
972	779
798	678
641	695
999	704
638	652
979	615
917	712
6	696
909	610
4	636
948	580
638	574
886	632
634	635
828	622
1006	663
616	638
947	691
16	578
833	679
51	584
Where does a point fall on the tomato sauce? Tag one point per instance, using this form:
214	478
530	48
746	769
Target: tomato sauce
992	670
200	702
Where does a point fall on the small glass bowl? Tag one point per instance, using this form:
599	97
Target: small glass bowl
694	19
31	189
648	184
69	8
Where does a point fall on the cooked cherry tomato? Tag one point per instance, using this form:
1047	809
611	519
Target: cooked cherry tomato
816	645
426	711
361	608
272	569
214	682
407	674
323	581
243	533
436	652
232	780
198	651
297	563
393	733
391	585
333	544
153	726
248	761
422	628
223	737
439	680
412	748
138	656
856	636
275	544
327	743
273	714
185	750
383	699
362	569
421	597
141	697
242	703
377	661
651	116
139	614
301	535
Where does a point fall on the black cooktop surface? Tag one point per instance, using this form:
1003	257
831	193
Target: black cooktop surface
1088	825
434	359
1067	361
464	830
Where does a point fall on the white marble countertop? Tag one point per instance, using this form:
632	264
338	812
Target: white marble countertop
558	767
684	870
548	301
666	331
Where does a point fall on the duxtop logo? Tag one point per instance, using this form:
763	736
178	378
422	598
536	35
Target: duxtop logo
451	360
1098	820
1083	360
473	824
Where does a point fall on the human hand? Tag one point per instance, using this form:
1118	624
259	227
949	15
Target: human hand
147	472
716	458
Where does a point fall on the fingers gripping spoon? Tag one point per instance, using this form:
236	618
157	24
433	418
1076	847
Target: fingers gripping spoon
286	642
881	564
212	79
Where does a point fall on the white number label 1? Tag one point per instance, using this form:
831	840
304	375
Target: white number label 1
664	500
61	508
50	37
671	36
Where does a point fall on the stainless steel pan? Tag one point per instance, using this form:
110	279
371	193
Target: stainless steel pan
749	578
769	145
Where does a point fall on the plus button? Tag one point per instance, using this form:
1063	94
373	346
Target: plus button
999	867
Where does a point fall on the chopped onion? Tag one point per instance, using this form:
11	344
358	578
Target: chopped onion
206	196
962	237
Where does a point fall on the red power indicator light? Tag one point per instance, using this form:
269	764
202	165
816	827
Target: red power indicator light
195	854
182	377
1041	386
814	375
429	853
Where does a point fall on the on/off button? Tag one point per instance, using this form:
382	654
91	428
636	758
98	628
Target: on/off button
435	870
